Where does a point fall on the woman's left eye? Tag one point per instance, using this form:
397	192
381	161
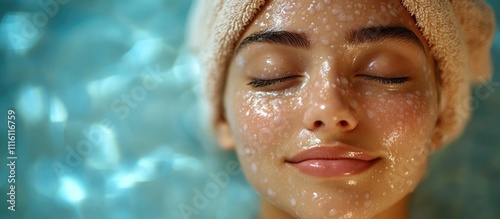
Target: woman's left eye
386	80
259	83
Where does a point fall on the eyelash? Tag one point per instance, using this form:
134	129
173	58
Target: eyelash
256	83
383	80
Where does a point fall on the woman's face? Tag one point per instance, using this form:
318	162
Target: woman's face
331	106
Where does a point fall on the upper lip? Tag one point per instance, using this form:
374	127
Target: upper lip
336	152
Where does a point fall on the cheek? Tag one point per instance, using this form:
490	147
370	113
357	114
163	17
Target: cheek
261	121
403	125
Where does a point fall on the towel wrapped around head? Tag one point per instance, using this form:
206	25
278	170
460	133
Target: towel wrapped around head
459	33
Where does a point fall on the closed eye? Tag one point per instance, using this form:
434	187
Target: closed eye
256	82
386	80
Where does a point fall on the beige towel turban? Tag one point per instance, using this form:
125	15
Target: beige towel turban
459	33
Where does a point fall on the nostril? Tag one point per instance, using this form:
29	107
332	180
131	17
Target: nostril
318	124
343	123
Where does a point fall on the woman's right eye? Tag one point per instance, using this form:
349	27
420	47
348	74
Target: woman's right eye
261	83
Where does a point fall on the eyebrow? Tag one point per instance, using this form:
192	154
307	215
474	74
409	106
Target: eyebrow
380	34
354	36
285	38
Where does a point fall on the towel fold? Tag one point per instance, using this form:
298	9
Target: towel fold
459	33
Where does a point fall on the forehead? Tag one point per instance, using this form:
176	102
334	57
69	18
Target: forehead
324	20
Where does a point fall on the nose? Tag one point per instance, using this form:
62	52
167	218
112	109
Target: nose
329	112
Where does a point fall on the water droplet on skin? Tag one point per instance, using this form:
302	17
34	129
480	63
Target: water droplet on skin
311	9
344	80
292	202
354	104
371	114
316	30
342	17
383	8
333	212
368	204
270	192
288	8
393	13
322	107
319	6
254	167
336	10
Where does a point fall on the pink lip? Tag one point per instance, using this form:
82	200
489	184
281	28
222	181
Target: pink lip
332	161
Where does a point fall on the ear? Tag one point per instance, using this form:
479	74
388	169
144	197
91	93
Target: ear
224	135
437	137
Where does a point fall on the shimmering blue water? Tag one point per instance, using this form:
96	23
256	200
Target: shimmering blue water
108	122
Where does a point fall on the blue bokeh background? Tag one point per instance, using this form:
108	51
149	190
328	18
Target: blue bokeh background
108	122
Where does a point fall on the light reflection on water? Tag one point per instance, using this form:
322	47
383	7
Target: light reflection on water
109	120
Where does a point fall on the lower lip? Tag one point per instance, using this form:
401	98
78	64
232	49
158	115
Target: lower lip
334	168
